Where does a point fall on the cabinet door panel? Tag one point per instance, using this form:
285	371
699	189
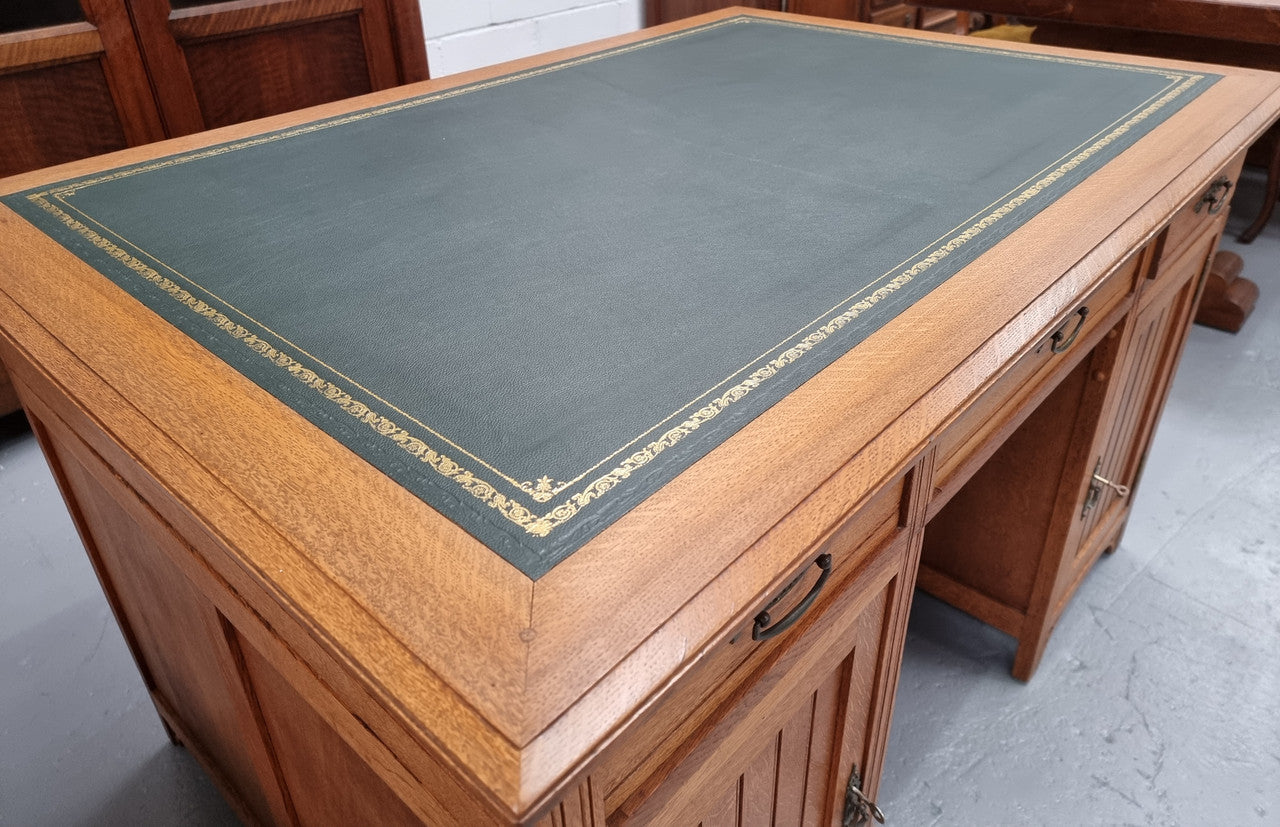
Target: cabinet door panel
42	126
215	64
665	11
1142	385
181	641
262	73
71	90
18	15
328	781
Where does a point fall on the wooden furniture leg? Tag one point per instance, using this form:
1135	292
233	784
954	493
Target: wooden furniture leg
1271	142
1228	298
8	395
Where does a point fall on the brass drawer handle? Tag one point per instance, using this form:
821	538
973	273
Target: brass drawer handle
1057	343
761	630
1215	199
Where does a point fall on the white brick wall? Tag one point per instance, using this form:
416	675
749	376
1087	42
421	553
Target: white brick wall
467	34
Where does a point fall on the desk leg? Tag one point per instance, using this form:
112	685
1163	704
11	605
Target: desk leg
1269	144
1228	298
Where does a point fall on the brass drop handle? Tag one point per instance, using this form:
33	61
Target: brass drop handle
761	630
1057	342
1215	199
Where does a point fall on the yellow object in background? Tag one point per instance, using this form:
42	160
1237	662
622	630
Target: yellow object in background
1021	34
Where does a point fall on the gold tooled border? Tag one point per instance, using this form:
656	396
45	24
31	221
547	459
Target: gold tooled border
541	525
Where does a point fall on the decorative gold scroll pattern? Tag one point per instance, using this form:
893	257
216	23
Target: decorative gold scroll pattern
603	484
545	489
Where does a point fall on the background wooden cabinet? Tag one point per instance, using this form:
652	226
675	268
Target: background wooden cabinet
82	77
224	63
883	12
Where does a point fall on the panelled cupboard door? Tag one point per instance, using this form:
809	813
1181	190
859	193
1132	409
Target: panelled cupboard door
183	645
215	64
781	753
1140	389
72	83
329	783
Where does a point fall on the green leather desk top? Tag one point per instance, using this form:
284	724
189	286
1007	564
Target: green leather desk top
534	300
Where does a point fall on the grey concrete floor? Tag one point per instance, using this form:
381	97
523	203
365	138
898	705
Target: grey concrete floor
1157	702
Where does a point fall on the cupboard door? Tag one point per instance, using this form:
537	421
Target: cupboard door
781	750
184	646
838	9
329	783
215	64
1140	390
72	84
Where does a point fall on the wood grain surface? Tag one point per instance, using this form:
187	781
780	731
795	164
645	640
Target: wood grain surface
502	693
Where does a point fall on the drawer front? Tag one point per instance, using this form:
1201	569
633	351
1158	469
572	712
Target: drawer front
1200	212
981	427
630	772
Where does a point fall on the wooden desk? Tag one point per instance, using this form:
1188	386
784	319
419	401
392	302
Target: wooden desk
335	651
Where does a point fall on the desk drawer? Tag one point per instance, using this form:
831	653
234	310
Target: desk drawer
1199	213
671	731
980	429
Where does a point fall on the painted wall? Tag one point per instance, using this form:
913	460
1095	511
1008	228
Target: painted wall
467	34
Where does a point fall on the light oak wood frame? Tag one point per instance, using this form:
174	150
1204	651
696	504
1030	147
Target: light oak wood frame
343	579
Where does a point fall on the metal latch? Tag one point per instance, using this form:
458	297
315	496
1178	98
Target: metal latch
858	809
1096	484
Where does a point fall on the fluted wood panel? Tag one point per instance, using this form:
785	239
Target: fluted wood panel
809	719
